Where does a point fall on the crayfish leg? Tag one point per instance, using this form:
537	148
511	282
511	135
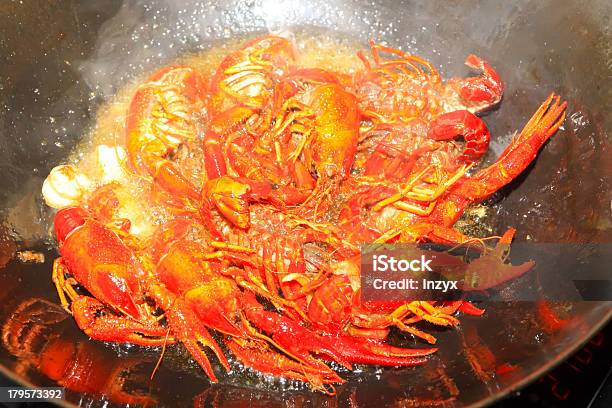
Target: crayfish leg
61	285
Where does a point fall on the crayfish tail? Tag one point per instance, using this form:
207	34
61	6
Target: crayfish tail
518	155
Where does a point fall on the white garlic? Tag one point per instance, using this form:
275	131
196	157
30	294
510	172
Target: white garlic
111	161
65	186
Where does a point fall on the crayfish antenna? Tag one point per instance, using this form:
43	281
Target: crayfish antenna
319	199
161	356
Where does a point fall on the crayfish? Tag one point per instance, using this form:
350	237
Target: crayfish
257	255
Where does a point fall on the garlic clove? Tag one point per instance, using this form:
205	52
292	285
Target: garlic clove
111	161
65	186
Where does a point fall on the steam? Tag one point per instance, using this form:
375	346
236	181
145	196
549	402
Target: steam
144	35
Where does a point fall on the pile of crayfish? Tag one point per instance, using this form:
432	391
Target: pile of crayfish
257	255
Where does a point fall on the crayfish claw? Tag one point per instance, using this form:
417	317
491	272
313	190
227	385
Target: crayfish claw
100	323
258	356
188	329
230	197
365	351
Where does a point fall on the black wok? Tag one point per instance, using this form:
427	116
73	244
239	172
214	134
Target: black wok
60	60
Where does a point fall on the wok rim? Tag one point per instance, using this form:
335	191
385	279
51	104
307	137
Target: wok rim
549	366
